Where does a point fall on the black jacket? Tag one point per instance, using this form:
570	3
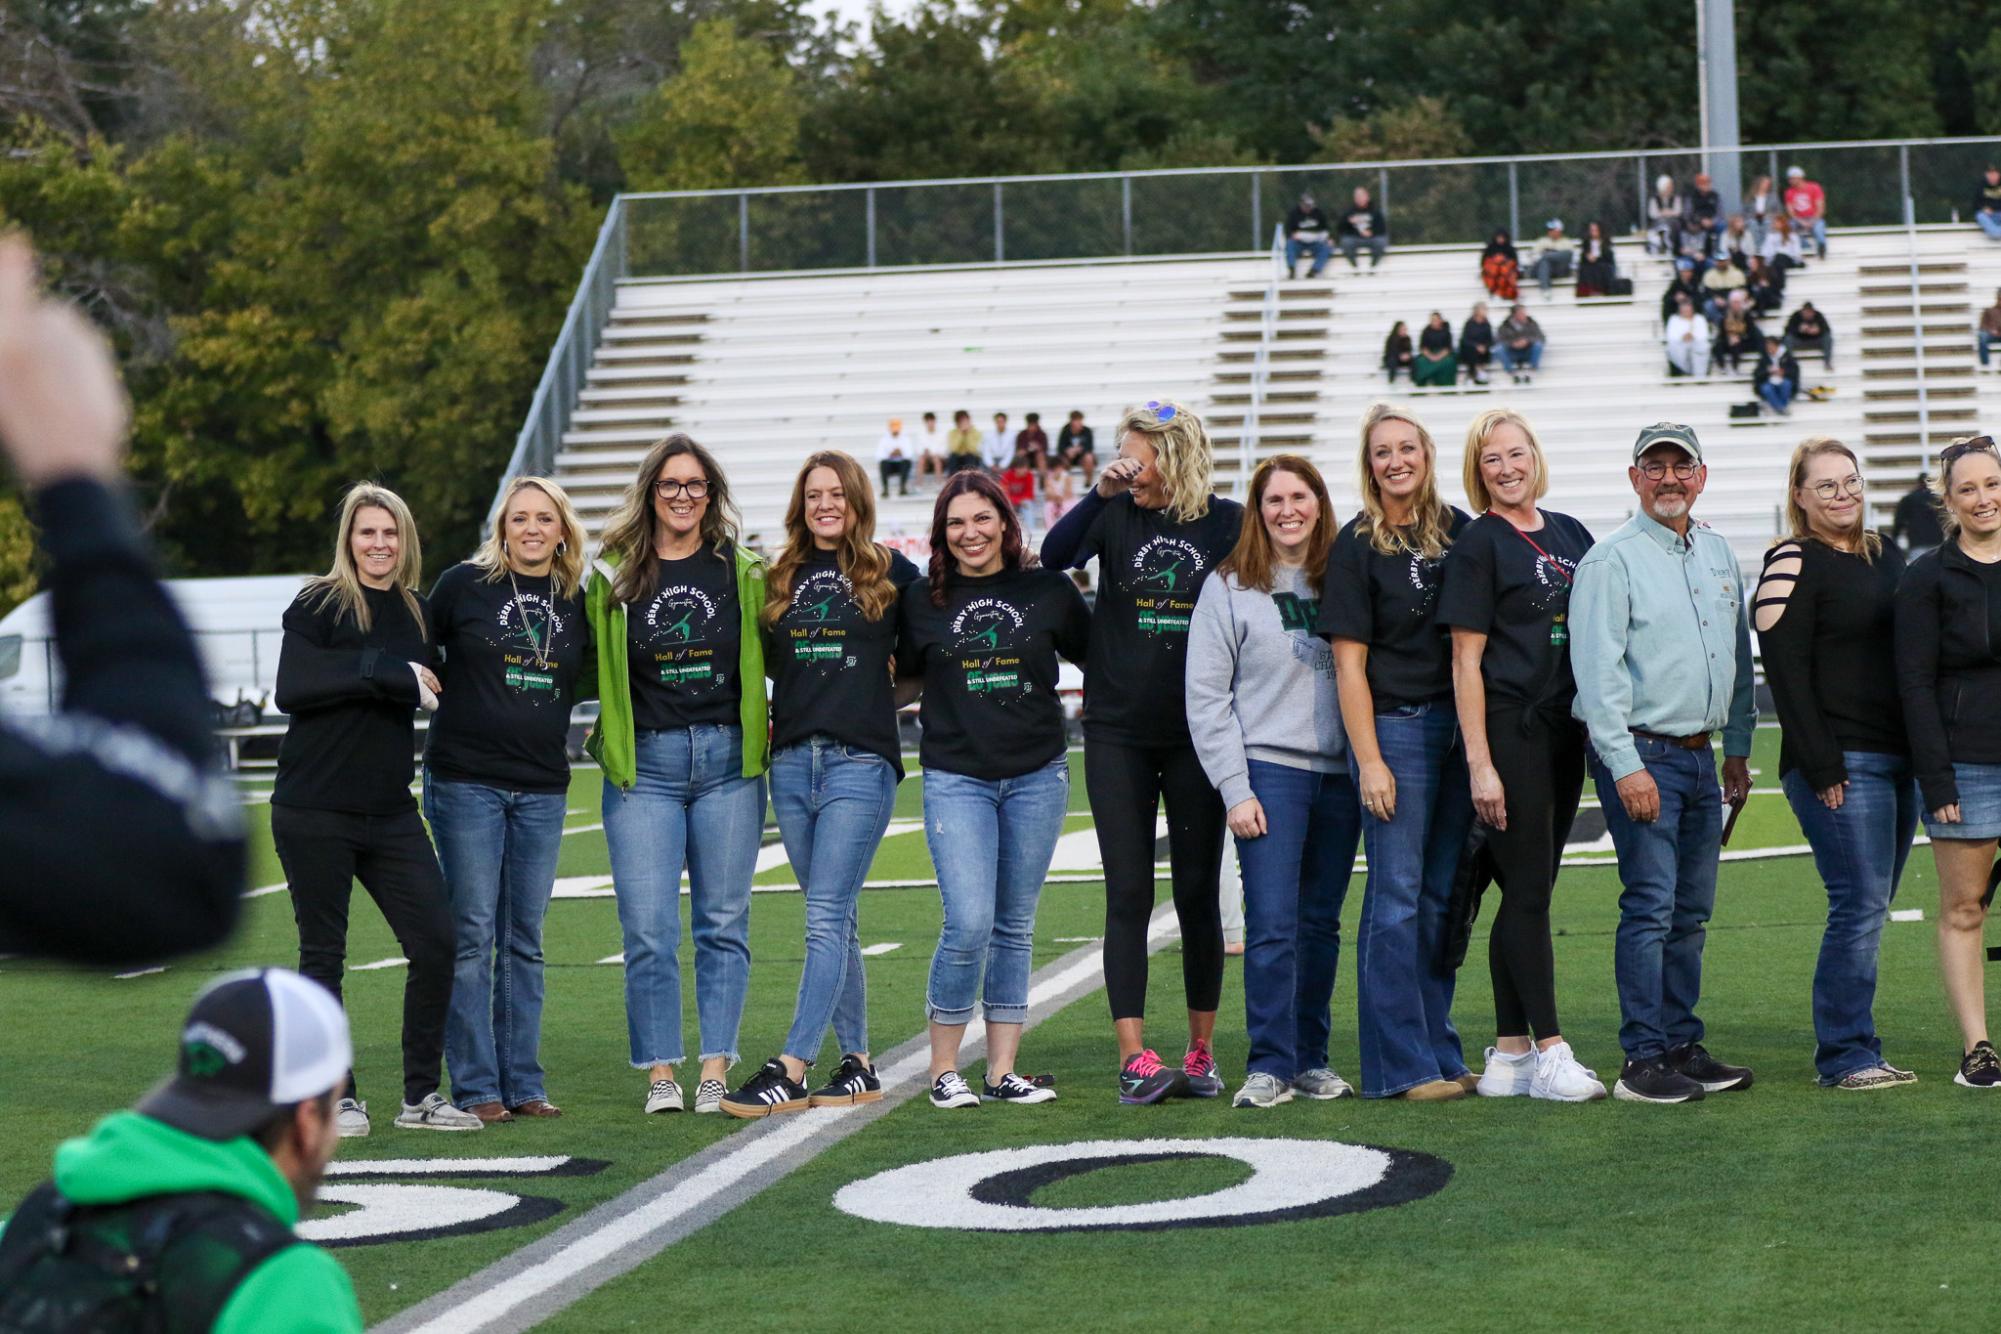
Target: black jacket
1948	668
1787	366
1377	225
1680	287
1311	220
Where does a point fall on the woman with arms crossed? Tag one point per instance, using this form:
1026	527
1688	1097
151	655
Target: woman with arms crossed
1266	721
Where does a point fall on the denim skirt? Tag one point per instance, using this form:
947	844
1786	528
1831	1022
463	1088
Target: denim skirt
1979	804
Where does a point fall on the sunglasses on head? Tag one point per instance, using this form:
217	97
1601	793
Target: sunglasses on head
1978	442
1162	412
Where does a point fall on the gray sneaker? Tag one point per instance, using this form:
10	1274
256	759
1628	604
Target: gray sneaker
709	1095
351	1119
664	1095
1321	1085
434	1113
1262	1090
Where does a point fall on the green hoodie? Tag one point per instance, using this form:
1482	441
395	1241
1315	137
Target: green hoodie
612	742
128	1157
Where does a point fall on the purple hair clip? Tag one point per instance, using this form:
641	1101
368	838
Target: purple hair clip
1162	412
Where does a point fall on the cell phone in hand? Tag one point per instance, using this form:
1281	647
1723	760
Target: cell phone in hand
1736	809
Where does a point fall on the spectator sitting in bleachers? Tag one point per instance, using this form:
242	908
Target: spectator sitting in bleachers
1364	225
1735	240
1033	441
1664	217
1695	245
1520	345
1737	333
1987	203
1990	329
1723	278
1552	255
1596	268
1782	249
997	446
1306	233
1075	449
1018	480
1808	328
962	443
1059	493
1683	287
1915	526
1765	285
1705	208
1435	366
1687	340
1777	377
893	457
1397	352
1806	206
930	445
1476	344
1501	266
1760	203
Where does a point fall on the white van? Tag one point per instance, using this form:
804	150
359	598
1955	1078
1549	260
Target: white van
237	625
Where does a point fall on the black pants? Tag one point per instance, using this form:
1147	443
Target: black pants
1126	785
1540	759
324	853
897	469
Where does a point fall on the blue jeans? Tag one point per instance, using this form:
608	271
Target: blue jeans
690	803
1404	991
1987	342
1321	250
1990	222
1668	873
1859	851
1513	359
1778	394
832	803
498	850
991	843
1817	229
1295	878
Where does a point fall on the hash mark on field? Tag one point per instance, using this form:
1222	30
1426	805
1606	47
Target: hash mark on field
378	965
1907	914
139	972
883	948
614	958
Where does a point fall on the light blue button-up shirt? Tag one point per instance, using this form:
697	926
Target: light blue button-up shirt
1660	641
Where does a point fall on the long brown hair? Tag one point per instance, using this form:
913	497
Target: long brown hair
1252	559
861	560
1870	544
1015	554
628	535
342	586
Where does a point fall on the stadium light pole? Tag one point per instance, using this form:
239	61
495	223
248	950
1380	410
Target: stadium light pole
1716	58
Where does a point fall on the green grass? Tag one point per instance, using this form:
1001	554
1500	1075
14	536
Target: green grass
1786	1205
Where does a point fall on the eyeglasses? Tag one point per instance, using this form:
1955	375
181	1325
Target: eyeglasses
1656	470
1162	412
1978	442
1829	490
668	488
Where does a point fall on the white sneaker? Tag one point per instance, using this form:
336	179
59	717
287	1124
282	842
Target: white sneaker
1559	1078
664	1095
351	1119
709	1095
1321	1085
434	1113
1506	1076
1262	1090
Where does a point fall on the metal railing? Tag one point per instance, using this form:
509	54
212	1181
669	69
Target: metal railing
1918	329
1247	443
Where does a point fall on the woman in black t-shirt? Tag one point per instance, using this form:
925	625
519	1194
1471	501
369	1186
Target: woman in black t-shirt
1393	669
1507	601
1826	617
982	636
354	666
1157	533
518	655
829	625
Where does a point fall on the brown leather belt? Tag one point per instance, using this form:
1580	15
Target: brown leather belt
1700	741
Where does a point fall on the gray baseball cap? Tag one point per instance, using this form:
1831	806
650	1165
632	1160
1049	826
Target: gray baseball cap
1668	433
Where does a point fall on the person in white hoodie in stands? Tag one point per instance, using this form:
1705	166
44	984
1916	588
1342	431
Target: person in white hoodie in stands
1266	724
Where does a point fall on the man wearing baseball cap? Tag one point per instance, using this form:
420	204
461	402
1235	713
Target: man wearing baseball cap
179	1213
1661	649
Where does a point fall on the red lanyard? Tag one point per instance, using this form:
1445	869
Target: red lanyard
1555	564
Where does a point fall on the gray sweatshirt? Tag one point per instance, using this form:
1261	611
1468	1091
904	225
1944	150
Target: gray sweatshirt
1260	683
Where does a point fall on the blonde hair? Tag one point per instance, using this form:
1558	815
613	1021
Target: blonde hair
628	534
1870	544
863	562
342	585
1947	519
1252	559
1185	458
1430	520
1477	435
566	571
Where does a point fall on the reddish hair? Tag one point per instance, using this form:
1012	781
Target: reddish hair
1015	554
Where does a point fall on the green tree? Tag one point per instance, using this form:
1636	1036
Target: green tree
730	117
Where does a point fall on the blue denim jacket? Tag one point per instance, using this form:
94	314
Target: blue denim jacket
1660	641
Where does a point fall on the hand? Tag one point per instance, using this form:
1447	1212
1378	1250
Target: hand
63	412
428	678
1947	814
1117	476
1832	797
1640	797
1247	819
1490	800
1379	790
1736	779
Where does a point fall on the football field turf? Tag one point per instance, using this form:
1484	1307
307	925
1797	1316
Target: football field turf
1786	1205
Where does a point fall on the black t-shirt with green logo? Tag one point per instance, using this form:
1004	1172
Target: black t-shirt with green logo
1498	583
988	659
1390	603
1150	571
510	673
829	665
681	645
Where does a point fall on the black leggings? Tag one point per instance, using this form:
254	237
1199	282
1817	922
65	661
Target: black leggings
324	853
1540	759
1126	785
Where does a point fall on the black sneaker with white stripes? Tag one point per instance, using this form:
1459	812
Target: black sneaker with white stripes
1013	1088
854	1082
950	1090
1981	1068
769	1090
